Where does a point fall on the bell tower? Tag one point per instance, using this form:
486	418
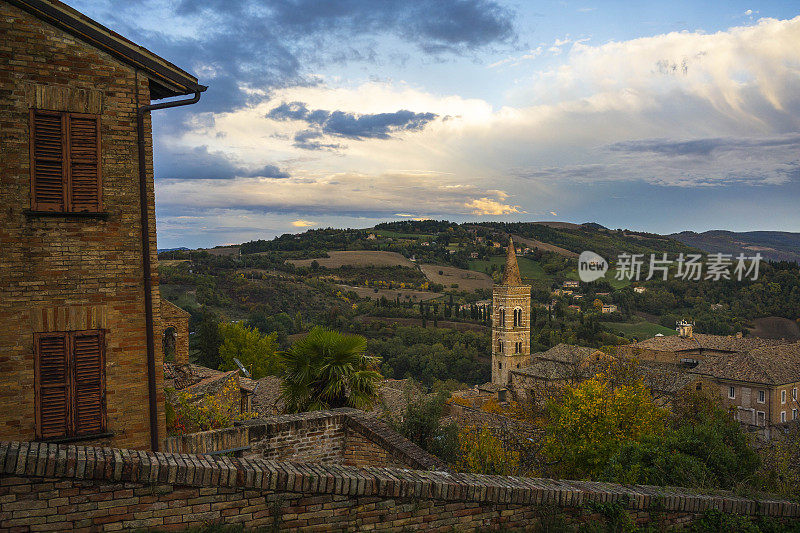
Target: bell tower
511	316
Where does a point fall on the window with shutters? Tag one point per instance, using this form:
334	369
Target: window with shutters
65	162
70	384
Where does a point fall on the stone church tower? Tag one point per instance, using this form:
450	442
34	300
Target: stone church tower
511	315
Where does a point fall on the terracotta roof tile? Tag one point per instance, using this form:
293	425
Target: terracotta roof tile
770	365
703	341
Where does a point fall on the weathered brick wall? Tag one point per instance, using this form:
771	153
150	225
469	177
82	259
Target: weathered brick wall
339	436
62	273
307	437
48	487
215	440
174	316
361	451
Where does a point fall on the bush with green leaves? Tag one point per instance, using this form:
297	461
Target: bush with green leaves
702	447
421	424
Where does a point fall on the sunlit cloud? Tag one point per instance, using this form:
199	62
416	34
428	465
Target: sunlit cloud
487	206
303	223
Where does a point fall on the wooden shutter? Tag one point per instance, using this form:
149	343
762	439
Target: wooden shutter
84	162
52	384
48	172
89	382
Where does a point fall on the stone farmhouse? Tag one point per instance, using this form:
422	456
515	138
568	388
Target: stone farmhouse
81	315
760	385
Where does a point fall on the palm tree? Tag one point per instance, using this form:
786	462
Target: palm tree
327	369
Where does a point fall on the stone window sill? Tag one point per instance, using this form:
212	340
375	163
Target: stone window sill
93	436
102	215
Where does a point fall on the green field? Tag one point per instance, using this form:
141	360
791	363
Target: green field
528	268
640	330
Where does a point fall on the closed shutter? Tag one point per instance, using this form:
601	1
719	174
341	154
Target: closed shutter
84	162
48	175
89	387
52	378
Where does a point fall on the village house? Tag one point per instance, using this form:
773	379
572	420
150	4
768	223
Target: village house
608	309
82	321
571	284
689	348
760	385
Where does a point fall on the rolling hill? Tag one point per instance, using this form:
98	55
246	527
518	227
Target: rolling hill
774	245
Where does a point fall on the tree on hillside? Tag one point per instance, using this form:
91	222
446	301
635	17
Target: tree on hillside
420	423
255	351
207	340
327	369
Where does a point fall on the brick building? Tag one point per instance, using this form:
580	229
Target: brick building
80	313
759	385
511	319
689	348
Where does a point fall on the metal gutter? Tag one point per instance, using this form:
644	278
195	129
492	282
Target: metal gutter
146	264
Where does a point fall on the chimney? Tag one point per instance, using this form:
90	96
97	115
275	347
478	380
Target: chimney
684	329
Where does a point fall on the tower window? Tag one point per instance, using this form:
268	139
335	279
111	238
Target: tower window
517	317
500	346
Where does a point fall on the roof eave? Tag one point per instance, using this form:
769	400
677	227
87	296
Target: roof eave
167	79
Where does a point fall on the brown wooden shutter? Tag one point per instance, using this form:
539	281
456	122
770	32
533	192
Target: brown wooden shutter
84	162
48	171
52	384
89	383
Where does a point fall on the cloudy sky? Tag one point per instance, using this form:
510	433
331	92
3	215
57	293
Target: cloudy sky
658	116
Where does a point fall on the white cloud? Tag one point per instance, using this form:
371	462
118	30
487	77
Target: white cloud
576	123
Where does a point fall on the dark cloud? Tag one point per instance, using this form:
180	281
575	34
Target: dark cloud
705	147
199	163
347	125
305	139
260	44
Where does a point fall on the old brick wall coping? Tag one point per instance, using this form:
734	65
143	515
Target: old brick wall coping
122	465
367	426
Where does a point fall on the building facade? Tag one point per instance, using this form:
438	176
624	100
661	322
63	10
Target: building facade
760	386
80	321
511	322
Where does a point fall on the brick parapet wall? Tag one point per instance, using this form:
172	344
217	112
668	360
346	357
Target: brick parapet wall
35	461
399	450
341	435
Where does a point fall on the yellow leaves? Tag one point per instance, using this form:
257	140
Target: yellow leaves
593	419
213	411
483	453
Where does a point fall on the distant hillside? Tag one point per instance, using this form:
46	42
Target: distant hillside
774	245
